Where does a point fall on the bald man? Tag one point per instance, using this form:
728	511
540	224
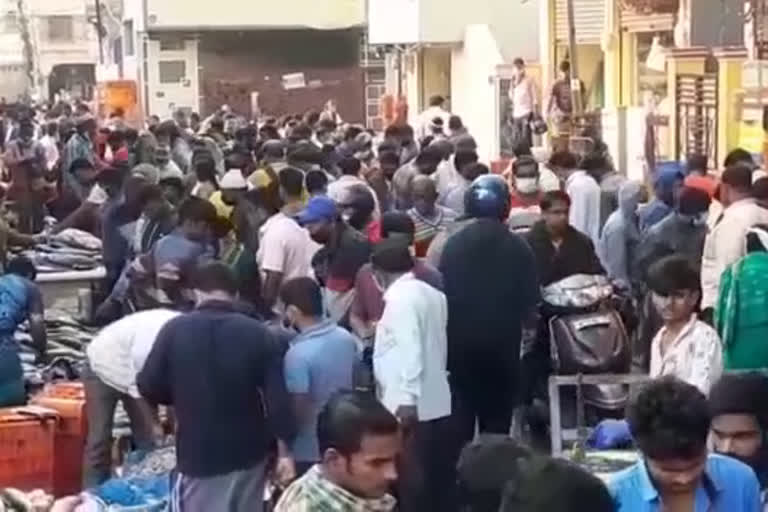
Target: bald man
429	217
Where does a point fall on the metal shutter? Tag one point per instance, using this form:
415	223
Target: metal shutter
589	18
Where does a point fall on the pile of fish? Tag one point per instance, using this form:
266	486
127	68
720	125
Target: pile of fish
70	249
160	461
67	339
13	500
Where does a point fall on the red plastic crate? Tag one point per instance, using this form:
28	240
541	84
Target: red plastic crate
27	447
68	400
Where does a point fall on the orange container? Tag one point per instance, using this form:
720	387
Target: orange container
27	447
73	390
68	400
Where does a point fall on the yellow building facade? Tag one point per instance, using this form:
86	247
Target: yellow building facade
641	60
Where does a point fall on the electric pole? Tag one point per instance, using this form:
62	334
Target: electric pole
98	31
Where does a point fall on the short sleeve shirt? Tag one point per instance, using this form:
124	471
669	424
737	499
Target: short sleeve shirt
319	363
695	356
286	247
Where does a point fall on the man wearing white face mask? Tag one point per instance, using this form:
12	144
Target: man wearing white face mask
525	195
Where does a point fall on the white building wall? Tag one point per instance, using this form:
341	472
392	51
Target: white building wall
473	88
70	42
133	58
513	23
11	49
133	17
411	85
165	97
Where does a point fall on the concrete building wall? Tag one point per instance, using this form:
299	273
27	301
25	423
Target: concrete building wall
513	24
228	14
13	81
172	74
72	47
13	76
133	36
413	61
473	69
324	65
59	34
133	27
718	23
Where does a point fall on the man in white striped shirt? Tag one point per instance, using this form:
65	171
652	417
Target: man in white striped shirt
429	217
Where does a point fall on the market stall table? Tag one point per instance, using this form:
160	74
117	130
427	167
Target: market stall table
579	435
61	289
605	464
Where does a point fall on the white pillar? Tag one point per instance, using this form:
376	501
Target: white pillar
546	43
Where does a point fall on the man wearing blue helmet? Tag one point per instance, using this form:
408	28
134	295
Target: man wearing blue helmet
491	286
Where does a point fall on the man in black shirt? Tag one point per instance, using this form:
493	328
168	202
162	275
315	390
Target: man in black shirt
560	249
222	372
491	287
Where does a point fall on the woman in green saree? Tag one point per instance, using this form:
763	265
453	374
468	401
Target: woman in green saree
741	316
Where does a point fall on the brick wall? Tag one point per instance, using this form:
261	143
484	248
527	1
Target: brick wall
233	65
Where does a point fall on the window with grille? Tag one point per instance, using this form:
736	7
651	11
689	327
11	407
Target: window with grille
61	29
172	71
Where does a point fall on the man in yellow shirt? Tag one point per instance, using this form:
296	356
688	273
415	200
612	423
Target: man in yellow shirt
231	188
273	156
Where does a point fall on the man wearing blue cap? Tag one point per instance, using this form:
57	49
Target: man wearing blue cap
345	245
320	211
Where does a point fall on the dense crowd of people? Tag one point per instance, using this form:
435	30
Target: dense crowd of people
339	313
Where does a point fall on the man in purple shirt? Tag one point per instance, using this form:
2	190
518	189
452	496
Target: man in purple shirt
368	304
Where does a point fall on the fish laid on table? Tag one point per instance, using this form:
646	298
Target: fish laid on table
77	238
64	249
66	259
71	249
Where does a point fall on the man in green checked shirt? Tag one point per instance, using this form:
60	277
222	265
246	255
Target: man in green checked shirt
359	443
